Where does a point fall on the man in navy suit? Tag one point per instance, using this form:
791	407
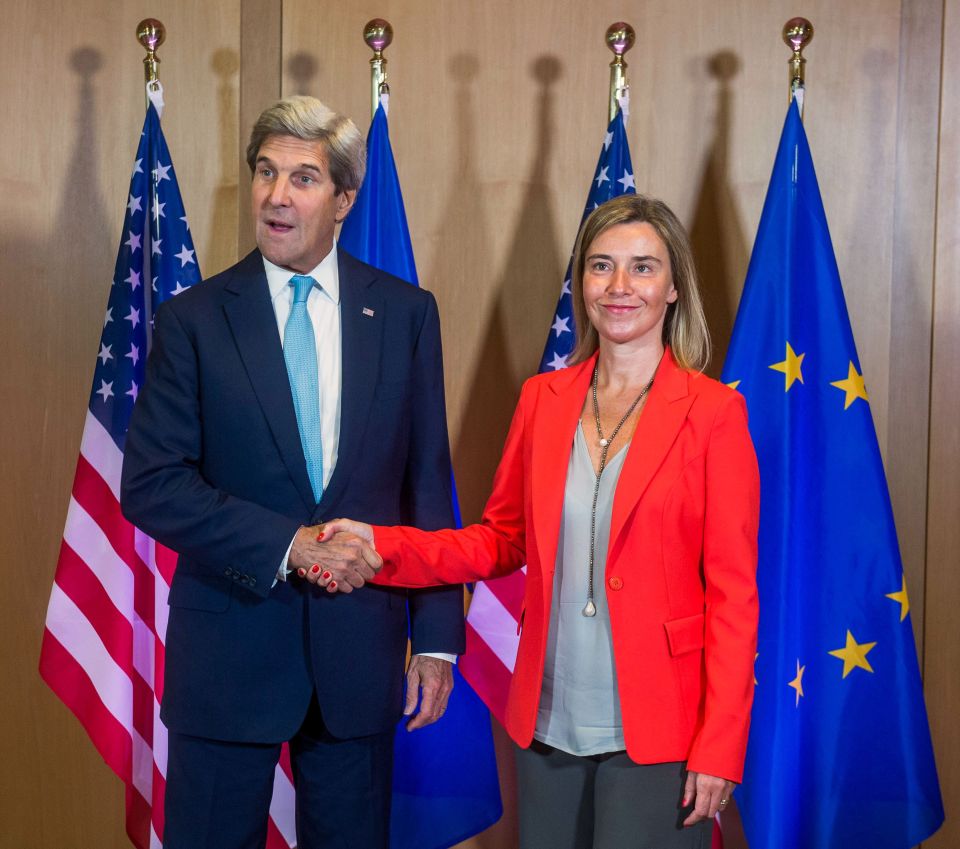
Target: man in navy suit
298	385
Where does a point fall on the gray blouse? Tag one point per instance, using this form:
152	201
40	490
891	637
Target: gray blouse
580	704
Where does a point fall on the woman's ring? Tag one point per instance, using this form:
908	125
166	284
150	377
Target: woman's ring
723	803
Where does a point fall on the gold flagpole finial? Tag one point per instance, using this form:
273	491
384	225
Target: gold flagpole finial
620	37
151	34
378	34
797	34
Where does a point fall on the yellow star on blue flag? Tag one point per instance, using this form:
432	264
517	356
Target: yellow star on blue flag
797	683
901	598
854	655
852	386
792	368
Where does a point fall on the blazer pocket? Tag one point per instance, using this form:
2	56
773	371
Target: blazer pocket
392	389
685	634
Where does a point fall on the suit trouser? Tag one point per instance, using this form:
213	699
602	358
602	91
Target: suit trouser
602	801
218	793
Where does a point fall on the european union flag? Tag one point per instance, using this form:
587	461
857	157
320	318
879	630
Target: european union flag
445	784
376	229
840	753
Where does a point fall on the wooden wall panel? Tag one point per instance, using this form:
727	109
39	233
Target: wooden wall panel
496	122
497	115
942	598
911	292
73	105
260	32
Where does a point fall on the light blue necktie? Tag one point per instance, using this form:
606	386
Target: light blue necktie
300	354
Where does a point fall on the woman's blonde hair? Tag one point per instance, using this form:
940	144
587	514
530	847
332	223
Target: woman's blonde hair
685	327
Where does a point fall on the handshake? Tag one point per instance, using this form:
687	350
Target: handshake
337	555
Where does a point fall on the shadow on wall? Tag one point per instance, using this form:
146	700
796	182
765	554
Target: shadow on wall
82	208
57	275
526	289
221	247
716	234
77	262
532	276
861	284
461	251
302	68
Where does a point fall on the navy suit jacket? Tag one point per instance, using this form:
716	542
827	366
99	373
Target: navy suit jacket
214	469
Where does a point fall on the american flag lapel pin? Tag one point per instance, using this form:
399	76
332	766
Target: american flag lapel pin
367	311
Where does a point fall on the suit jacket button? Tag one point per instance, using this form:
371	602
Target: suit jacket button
228	572
253	581
615	583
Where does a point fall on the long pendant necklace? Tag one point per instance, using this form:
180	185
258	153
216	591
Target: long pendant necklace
590	609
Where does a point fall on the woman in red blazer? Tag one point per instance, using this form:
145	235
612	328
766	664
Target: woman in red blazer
674	600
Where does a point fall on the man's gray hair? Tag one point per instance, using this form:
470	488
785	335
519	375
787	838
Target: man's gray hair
307	118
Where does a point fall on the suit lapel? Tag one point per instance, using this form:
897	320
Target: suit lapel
660	422
254	326
361	336
555	424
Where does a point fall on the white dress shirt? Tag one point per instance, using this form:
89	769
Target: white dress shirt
323	307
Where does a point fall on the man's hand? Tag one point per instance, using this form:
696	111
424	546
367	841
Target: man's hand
707	793
431	679
341	564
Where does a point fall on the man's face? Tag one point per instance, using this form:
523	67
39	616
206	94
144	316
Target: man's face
295	204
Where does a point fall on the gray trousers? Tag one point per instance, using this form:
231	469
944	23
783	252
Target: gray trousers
602	802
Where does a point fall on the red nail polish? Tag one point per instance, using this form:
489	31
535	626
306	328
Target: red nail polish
314	569
327	575
332	585
301	572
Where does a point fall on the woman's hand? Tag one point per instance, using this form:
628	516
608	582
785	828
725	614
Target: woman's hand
360	529
707	793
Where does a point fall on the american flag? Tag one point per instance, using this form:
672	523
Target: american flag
492	624
103	645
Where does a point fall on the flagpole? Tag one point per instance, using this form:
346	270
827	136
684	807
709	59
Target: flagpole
620	38
151	33
797	34
378	34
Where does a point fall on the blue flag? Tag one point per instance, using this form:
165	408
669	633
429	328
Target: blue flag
376	230
613	177
840	753
445	784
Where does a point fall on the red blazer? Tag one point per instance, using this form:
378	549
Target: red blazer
680	570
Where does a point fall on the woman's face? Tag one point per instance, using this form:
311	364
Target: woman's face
627	284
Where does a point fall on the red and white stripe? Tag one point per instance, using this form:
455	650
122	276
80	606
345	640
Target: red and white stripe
103	645
493	633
